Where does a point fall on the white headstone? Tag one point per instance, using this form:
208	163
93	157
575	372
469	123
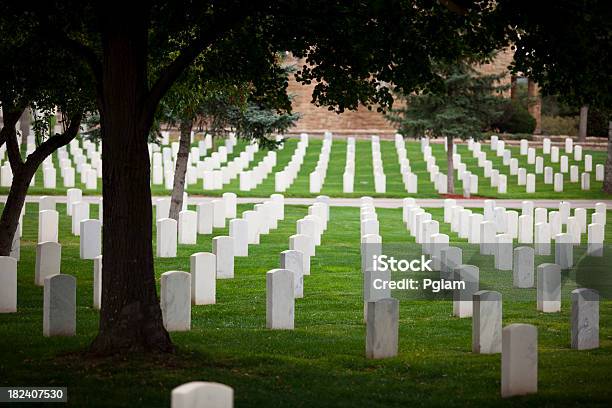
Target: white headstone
549	288
487	322
280	301
519	366
59	308
199	394
188	227
90	239
585	319
294	261
166	238
223	248
382	328
48	261
48	222
175	300
8	284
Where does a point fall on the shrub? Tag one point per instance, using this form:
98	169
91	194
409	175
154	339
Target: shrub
560	125
515	119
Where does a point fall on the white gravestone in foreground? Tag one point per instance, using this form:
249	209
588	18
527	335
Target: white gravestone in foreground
382	328
519	360
200	394
585	319
175	299
8	284
487	322
59	306
280	301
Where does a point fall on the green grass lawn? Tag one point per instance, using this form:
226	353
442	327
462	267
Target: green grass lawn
321	362
364	179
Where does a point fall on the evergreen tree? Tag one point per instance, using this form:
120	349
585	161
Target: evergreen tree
459	104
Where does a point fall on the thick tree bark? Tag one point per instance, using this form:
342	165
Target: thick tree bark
181	168
130	316
9	220
607	185
450	175
582	128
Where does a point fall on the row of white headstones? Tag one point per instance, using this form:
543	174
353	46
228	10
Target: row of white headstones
73	160
178	289
499	180
516	342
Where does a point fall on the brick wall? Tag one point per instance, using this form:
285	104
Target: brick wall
362	122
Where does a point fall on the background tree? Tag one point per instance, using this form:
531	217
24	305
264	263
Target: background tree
561	44
460	105
219	106
60	82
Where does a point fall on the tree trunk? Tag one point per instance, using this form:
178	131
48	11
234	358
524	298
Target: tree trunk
607	185
582	129
181	168
12	209
23	173
450	175
130	316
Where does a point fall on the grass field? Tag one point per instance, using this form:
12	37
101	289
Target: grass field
321	362
364	178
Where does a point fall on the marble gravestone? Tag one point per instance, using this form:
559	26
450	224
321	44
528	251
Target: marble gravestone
175	300
198	394
166	238
450	258
239	231
519	368
90	239
203	268
223	248
48	222
293	260
463	298
188	227
48	261
302	243
8	284
585	319
280	301
487	322
382	328
97	282
59	306
549	288
523	267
